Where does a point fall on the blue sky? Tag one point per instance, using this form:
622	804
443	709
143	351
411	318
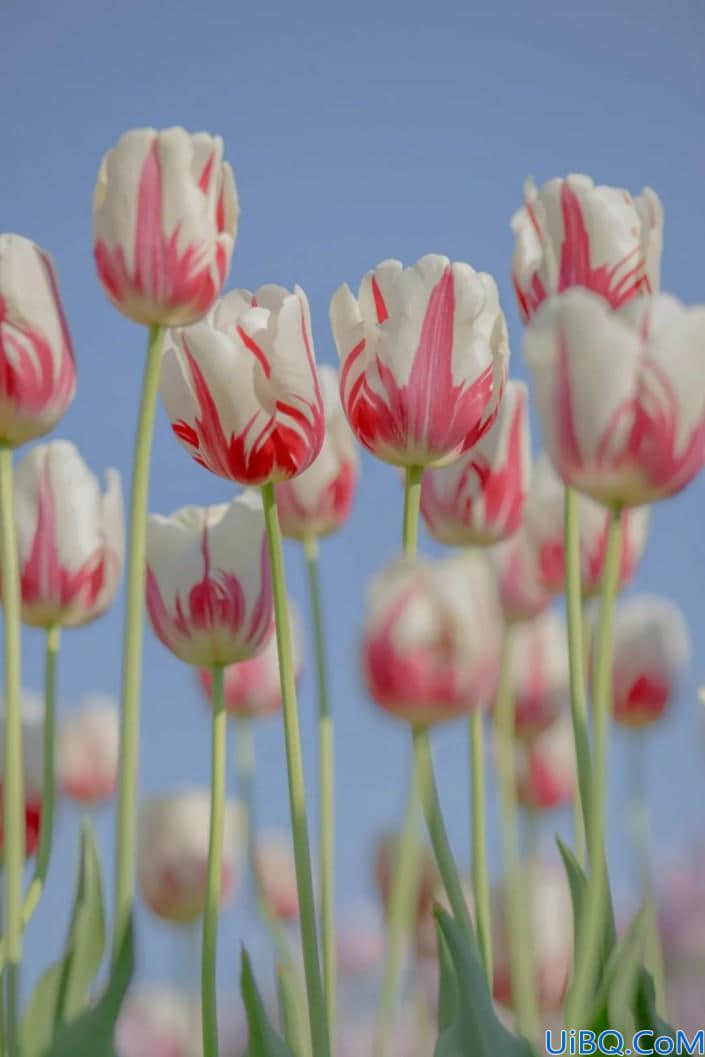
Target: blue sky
356	133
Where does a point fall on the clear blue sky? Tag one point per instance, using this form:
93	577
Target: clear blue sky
356	132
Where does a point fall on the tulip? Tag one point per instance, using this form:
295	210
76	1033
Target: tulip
172	853
318	501
544	523
571	233
276	874
619	394
431	638
651	650
208	582
423	354
479	499
38	378
521	590
70	537
546	770
157	1022
33	765
385	857
87	751
165	216
540	677
270	425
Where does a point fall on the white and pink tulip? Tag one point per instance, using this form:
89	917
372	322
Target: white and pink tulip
540	672
87	751
546	767
520	586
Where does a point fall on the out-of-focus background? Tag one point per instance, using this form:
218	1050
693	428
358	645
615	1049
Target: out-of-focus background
357	132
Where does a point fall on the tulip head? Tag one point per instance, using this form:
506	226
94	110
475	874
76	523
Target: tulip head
165	217
546	768
158	1022
33	768
87	751
515	563
540	672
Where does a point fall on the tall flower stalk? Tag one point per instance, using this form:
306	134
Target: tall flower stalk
209	1011
478	839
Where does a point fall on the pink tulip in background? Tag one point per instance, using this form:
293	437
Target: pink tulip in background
33	759
208	581
276	873
38	371
515	564
572	233
158	1022
479	498
87	750
423	354
546	767
431	640
540	672
165	217
268	427
70	536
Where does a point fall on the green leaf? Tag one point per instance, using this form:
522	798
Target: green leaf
447	986
645	1013
578	883
264	1040
475	1030
292	1011
622	974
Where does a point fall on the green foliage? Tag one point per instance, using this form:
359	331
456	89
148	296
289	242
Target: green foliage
292	1011
263	1039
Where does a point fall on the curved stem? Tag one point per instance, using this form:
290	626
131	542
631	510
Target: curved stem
514	902
591	932
297	794
132	643
480	874
326	764
215	867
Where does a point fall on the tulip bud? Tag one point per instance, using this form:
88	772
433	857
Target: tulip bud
546	767
157	1022
172	853
423	354
208	581
318	501
431	639
540	673
87	751
571	233
165	216
33	770
70	537
479	498
38	376
521	590
269	426
276	874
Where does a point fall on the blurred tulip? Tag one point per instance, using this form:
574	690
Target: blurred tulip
37	367
571	233
165	216
431	639
651	650
620	394
551	922
385	858
423	354
270	425
479	498
318	501
544	523
70	536
253	688
208	581
540	670
682	914
546	767
33	771
276	873
360	941
521	590
172	853
87	751
158	1022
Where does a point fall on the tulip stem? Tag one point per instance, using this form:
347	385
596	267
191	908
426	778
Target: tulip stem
326	764
591	928
412	505
215	866
13	777
132	643
480	874
297	795
514	903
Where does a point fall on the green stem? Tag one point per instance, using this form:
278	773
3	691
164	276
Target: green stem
591	931
215	867
13	784
577	658
326	763
412	505
132	643
514	903
480	873
297	794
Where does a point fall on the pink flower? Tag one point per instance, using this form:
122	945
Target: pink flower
318	501
37	367
87	751
522	592
546	767
620	394
479	498
571	233
172	853
241	389
164	223
431	638
651	650
33	769
539	661
70	537
157	1022
209	593
253	688
423	354
276	873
